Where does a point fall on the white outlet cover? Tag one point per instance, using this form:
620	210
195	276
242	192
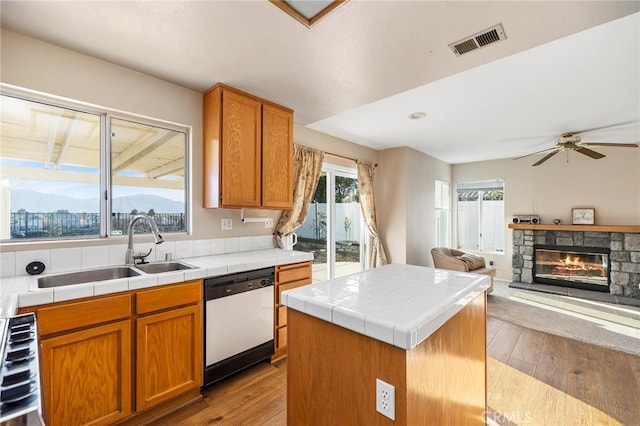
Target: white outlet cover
226	225
386	399
268	223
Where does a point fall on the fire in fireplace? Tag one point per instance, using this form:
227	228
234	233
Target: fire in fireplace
578	267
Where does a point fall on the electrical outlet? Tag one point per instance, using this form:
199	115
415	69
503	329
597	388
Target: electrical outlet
226	225
268	223
386	399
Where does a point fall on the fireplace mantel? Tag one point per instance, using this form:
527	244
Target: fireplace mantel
632	229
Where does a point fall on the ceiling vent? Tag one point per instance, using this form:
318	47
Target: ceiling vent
476	41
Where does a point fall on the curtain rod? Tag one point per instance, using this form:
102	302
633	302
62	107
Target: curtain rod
346	158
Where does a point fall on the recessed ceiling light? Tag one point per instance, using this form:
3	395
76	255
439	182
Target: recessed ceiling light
417	115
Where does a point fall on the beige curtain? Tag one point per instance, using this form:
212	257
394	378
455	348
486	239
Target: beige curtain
307	164
377	256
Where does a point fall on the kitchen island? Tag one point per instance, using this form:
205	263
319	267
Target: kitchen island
419	329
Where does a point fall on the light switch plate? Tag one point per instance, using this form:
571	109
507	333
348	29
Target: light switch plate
226	224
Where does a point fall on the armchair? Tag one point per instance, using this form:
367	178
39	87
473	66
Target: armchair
455	260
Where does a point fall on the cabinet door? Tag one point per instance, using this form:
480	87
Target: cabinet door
87	376
287	277
240	150
277	157
169	355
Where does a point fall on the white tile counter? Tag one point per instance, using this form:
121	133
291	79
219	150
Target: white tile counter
398	304
20	291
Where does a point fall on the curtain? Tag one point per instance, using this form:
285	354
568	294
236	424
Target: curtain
377	256
307	164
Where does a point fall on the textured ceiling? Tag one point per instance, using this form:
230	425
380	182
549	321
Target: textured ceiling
360	71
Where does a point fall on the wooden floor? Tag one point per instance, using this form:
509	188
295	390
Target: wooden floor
533	379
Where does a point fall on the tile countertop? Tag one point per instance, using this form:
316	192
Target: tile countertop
398	304
23	291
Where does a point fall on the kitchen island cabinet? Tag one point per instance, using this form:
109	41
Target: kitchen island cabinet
247	152
421	330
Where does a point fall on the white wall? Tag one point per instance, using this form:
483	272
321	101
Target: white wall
39	66
406	214
611	185
391	202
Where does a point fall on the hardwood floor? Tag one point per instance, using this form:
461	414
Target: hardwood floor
533	379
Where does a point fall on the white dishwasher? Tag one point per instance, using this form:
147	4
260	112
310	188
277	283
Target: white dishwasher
238	325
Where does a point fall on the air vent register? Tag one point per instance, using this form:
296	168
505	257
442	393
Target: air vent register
478	40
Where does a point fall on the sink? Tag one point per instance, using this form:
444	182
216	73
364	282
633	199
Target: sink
87	276
159	267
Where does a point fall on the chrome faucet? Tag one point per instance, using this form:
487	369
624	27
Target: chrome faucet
131	255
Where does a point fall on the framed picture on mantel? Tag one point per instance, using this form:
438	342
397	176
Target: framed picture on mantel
583	216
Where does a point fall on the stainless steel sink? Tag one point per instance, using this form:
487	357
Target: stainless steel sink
87	276
160	267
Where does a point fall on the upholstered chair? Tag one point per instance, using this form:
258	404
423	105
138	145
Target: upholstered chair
456	260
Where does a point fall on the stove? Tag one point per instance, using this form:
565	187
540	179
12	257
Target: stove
20	402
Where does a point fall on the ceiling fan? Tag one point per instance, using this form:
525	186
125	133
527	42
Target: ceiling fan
571	141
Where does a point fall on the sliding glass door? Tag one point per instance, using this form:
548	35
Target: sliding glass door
333	229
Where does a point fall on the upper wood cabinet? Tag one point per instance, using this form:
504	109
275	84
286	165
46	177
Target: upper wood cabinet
247	152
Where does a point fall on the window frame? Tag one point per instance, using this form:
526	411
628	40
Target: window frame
439	186
333	170
105	195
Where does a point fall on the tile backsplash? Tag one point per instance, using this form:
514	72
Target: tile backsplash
77	258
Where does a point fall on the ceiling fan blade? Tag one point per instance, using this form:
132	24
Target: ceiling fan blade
534	153
589	153
545	158
593	129
621	145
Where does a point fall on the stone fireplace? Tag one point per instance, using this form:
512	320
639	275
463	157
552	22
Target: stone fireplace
620	253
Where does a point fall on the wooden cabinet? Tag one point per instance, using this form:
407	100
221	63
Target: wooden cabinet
287	277
91	364
168	343
277	157
247	152
90	347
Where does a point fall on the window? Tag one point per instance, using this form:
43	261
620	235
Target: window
57	181
443	214
481	223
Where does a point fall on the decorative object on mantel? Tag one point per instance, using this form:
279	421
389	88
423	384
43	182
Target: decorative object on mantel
583	216
556	221
631	229
526	218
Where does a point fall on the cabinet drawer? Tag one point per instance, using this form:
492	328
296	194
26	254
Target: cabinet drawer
281	320
295	272
68	316
288	286
282	338
168	297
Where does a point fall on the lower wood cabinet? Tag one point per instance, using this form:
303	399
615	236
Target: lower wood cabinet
90	347
87	376
287	277
169	355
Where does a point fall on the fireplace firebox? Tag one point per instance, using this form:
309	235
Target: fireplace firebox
578	267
